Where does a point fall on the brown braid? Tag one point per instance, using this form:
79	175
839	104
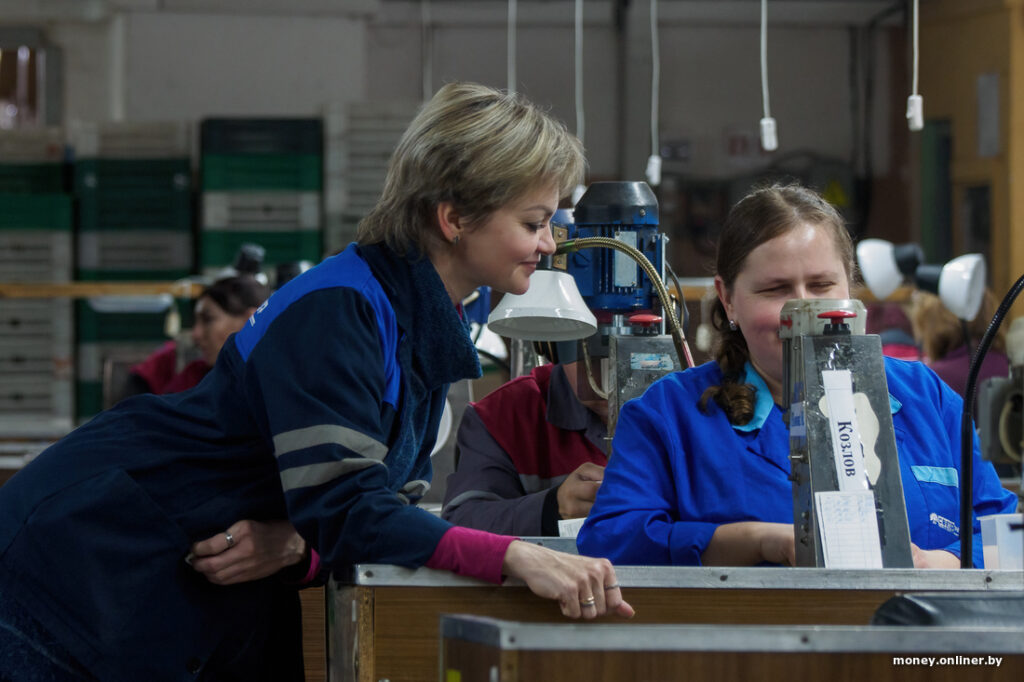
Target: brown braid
730	351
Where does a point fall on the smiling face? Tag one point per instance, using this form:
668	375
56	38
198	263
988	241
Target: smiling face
803	262
502	251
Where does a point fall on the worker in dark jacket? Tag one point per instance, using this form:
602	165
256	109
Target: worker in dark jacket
530	453
323	410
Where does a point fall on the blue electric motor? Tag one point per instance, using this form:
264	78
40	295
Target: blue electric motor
609	280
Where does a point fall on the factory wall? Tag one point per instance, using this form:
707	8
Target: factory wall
144	60
140	63
710	94
187	66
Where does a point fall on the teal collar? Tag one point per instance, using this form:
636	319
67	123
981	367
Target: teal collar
763	402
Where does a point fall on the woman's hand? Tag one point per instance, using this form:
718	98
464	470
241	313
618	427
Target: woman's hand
256	550
933	558
583	586
747	543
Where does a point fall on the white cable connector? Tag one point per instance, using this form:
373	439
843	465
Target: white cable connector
769	136
915	112
654	170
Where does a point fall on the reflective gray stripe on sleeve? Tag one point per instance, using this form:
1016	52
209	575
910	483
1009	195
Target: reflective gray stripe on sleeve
316	474
417	487
472	495
323	434
532	483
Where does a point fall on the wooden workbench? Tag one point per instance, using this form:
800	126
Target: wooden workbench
475	648
383	621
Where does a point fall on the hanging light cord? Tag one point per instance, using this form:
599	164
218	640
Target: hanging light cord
427	50
655	77
913	89
512	46
769	133
915	105
578	34
764	60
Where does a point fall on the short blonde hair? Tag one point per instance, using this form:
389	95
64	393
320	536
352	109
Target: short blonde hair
476	147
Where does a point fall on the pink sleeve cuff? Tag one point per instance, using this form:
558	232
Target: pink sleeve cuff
314	566
472	553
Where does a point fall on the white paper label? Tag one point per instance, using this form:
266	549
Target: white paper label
842	419
849	529
569	528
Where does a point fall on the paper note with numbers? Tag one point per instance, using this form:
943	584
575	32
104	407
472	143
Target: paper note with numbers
848	528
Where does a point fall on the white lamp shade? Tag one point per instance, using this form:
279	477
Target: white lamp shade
877	262
962	285
552	309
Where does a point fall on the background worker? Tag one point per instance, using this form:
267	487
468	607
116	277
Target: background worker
530	453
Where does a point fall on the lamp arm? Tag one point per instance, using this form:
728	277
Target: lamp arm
573	245
967	427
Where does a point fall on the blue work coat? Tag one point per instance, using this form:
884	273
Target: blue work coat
677	473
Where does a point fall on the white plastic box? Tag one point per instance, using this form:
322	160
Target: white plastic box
1002	537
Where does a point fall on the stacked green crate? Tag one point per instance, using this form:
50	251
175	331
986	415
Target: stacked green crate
35	367
32	161
134	218
133	190
36	344
114	332
35	237
261	182
35	334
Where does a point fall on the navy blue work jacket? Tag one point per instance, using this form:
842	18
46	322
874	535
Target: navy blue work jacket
323	410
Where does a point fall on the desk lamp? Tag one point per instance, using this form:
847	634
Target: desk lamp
552	309
884	265
960	284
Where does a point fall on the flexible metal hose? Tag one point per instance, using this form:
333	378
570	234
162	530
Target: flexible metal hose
678	338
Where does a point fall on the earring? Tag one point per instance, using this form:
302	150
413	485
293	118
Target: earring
732	325
455	240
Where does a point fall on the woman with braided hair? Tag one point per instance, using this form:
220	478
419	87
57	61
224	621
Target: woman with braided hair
699	471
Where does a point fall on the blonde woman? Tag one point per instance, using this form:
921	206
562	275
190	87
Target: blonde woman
323	411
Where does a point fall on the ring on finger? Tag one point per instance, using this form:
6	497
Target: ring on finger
590	601
614	586
229	538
